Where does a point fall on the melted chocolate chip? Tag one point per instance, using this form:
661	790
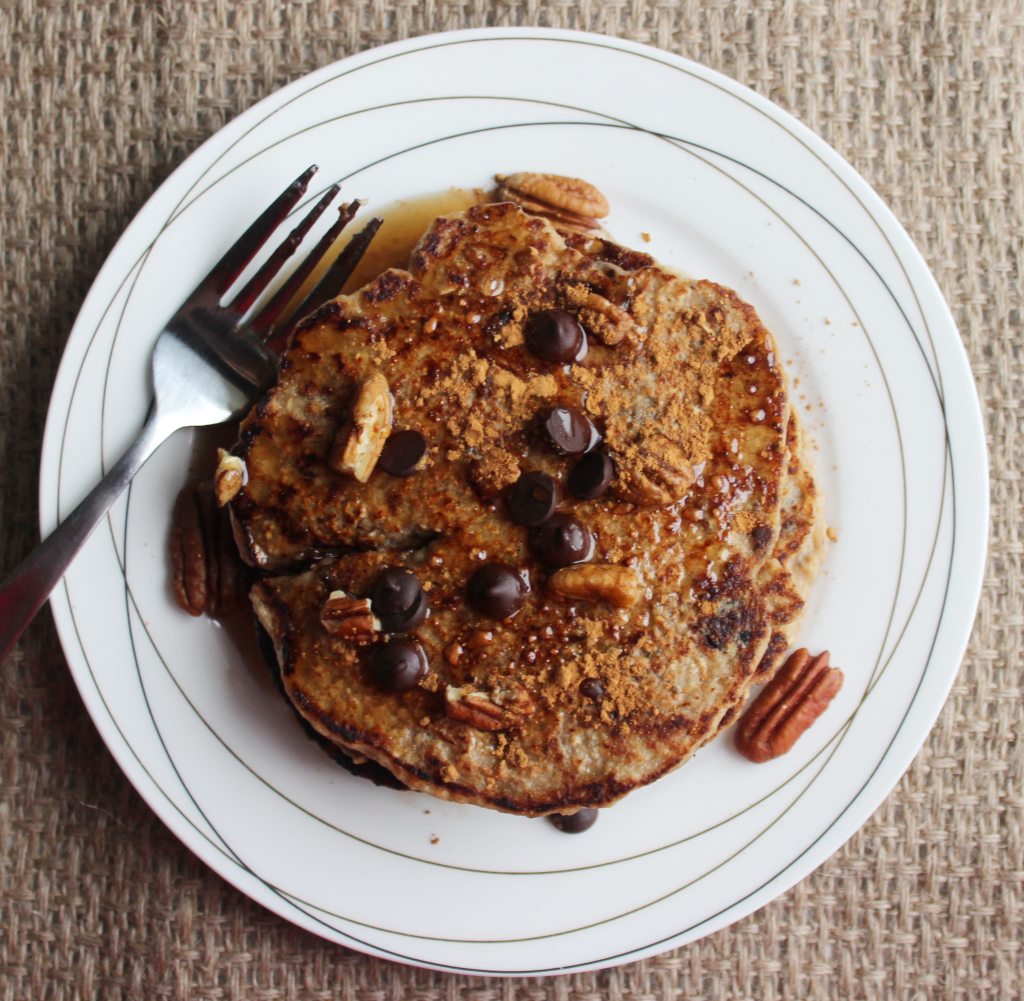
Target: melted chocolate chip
398	665
591	476
562	541
591	688
556	336
416	616
398	600
574	823
568	430
403	453
532	499
496	590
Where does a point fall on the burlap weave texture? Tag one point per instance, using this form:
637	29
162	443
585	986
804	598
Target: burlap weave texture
98	102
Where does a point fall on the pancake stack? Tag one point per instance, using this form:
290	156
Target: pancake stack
533	515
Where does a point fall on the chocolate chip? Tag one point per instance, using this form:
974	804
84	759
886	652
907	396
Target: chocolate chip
398	600
591	688
591	476
556	336
395	591
568	430
562	541
496	590
532	499
403	453
574	823
398	665
416	617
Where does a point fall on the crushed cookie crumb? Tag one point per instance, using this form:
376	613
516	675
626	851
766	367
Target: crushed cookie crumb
744	521
494	471
511	331
574	296
542	385
431	682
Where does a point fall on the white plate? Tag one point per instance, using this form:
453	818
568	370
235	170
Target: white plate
729	187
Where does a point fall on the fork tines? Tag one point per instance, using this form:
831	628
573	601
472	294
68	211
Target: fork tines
267	316
233	263
227	271
334	278
259	281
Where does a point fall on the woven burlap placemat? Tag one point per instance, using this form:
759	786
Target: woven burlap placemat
99	99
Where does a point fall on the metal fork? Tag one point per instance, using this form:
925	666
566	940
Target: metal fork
208	366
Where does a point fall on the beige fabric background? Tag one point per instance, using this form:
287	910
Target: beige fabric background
101	98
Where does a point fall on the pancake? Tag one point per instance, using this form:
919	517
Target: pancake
802	543
586	693
357	765
448	338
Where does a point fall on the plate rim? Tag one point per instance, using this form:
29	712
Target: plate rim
904	250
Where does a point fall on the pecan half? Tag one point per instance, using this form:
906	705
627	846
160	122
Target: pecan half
653	471
788	705
229	578
618	586
229	478
607	322
207	574
188	553
497	711
359	441
567	200
350	618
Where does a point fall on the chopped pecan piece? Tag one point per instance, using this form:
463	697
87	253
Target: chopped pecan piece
229	478
360	440
788	705
350	618
487	712
607	322
207	574
618	586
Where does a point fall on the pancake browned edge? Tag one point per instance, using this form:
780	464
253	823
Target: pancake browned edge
586	700
801	548
355	764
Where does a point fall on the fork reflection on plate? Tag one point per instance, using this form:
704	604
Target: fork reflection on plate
209	364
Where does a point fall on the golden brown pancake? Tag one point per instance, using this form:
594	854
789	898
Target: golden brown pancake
802	544
588	697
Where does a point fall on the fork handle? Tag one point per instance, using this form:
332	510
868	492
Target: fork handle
26	590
